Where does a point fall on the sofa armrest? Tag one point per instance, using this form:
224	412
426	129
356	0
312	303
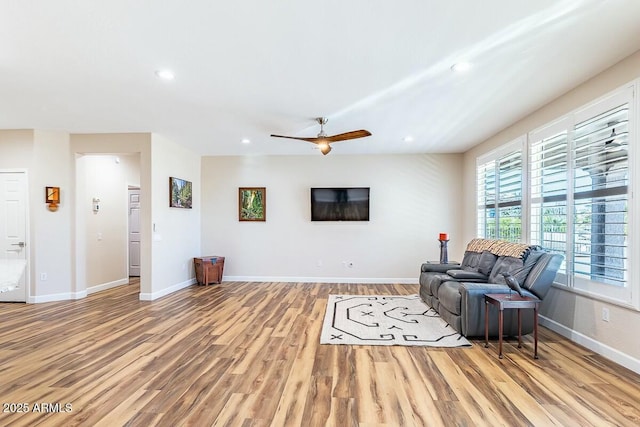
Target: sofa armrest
438	268
472	306
467	275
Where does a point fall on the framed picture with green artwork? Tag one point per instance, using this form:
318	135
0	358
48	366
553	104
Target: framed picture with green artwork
179	193
252	204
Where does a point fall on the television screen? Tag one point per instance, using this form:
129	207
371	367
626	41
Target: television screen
340	204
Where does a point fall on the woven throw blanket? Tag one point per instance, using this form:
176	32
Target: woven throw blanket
499	247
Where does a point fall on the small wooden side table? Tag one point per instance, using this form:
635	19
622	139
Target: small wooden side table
209	269
512	300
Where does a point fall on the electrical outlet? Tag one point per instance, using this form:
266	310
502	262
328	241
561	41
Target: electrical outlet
605	314
319	263
43	276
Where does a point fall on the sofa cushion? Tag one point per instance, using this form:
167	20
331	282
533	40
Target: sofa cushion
504	264
470	261
432	267
529	262
454	320
426	297
515	266
486	262
449	297
542	274
435	280
467	275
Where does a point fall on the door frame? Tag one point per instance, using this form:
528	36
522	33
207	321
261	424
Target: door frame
27	235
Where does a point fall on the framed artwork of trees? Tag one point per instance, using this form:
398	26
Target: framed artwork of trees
252	204
179	193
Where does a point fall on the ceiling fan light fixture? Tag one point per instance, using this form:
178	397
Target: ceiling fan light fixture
324	148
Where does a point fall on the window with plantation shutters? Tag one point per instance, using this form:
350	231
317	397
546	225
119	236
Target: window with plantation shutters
579	195
600	196
567	187
548	163
499	190
509	171
486	181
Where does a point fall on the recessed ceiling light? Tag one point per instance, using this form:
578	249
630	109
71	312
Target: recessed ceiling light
165	74
408	138
461	67
245	140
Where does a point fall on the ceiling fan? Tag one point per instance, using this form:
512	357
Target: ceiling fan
323	140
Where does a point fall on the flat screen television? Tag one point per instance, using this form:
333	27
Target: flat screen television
340	204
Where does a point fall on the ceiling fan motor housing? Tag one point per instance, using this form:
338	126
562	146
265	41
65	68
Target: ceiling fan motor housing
322	121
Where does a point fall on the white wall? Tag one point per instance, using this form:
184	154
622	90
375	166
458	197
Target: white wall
51	231
46	159
176	239
16	149
576	316
413	198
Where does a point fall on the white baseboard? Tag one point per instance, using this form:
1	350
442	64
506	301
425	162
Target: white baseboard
178	286
105	286
604	350
166	291
373	280
65	296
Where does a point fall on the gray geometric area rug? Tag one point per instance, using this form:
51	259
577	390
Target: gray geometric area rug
386	320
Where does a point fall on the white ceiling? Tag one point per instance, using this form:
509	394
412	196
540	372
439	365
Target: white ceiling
246	69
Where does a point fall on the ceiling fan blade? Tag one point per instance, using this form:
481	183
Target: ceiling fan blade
348	135
314	140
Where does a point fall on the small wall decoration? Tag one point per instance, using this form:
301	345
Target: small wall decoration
252	204
179	193
52	197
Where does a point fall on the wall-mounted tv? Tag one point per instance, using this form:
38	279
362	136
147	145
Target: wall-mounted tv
340	204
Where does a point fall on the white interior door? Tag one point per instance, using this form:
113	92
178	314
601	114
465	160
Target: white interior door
13	253
134	232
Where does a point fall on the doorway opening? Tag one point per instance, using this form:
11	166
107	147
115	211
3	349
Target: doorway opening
103	212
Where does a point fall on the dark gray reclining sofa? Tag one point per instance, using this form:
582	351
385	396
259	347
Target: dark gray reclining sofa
456	291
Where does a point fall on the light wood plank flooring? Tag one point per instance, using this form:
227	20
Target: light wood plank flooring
248	354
